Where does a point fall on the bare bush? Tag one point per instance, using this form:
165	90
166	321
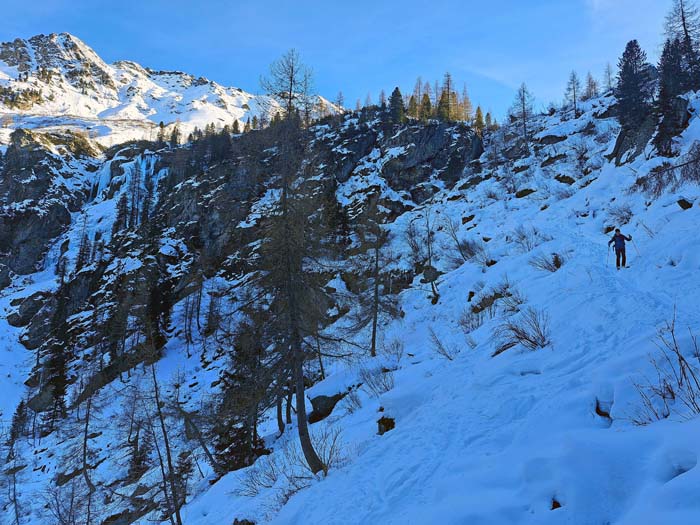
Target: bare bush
511	298
441	348
262	475
580	152
492	194
416	243
470	320
690	170
464	249
657	180
504	295
286	472
526	239
676	388
620	215
377	381
352	403
393	350
530	330
509	181
547	263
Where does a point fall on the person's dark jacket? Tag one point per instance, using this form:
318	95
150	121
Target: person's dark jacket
619	241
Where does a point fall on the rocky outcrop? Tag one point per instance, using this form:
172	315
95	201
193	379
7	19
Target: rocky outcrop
323	406
36	200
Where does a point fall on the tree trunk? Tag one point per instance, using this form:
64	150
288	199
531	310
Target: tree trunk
168	453
85	466
320	358
375	301
288	410
280	420
296	341
307	447
200	439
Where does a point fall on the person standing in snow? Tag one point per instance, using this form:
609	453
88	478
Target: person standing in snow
619	241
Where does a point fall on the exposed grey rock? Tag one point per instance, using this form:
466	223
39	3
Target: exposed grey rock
42	401
27	309
323	406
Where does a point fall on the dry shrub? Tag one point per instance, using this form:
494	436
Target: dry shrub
620	215
547	263
285	472
470	320
690	171
442	349
531	330
676	388
393	350
670	176
504	295
658	179
377	381
526	239
352	402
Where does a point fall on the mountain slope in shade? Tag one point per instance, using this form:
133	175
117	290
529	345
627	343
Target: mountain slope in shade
58	82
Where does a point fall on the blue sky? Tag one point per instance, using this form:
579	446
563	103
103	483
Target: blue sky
362	46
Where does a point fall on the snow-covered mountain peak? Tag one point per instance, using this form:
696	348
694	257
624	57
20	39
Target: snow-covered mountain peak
56	81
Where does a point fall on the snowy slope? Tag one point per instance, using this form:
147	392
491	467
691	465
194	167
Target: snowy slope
522	437
116	102
478	439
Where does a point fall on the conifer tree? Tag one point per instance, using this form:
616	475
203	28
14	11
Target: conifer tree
84	249
375	302
175	136
467	108
397	112
671	84
683	25
609	78
479	124
247	126
573	91
161	134
412	109
289	245
426	109
446	109
683	22
634	87
591	90
418	90
522	113
236	128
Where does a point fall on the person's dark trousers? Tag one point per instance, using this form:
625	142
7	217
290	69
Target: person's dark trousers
620	253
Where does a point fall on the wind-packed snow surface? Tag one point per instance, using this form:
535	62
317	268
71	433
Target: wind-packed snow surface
117	102
526	437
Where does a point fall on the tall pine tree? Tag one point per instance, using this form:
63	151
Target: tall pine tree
397	112
671	84
634	87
